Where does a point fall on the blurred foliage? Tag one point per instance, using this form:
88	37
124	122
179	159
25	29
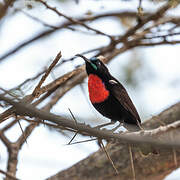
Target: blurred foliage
130	69
136	68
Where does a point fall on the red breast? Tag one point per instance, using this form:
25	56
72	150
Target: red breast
97	91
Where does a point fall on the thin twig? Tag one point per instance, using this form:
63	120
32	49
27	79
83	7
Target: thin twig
76	124
9	93
140	9
38	20
104	149
73	137
8	126
8	175
4	8
49	124
162	36
22	131
93	139
173	151
175	157
46	74
72	115
132	162
53	26
5	140
155	16
73	20
164	42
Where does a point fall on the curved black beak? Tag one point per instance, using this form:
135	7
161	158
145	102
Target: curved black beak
86	59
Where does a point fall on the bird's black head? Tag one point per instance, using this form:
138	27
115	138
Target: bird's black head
94	65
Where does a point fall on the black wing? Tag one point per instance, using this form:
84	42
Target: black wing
120	93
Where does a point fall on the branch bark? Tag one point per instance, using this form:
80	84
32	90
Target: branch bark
98	167
4	8
131	138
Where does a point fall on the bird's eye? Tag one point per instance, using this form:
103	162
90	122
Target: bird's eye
99	63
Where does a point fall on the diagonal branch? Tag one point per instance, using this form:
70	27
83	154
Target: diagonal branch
37	89
36	92
74	21
4	8
5	140
8	175
140	137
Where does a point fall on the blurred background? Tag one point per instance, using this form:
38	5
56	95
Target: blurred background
151	75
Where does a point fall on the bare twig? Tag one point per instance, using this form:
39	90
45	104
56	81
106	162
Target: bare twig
159	13
8	175
39	20
9	125
109	158
175	157
132	162
37	89
75	21
48	124
75	123
162	36
9	93
22	131
4	7
163	42
27	132
140	9
5	140
73	137
93	139
53	26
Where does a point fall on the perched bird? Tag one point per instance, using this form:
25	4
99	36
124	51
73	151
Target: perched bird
108	95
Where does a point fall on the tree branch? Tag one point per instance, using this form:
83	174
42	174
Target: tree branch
72	20
4	8
133	138
8	175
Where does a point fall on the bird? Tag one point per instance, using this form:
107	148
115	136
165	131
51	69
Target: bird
108	95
